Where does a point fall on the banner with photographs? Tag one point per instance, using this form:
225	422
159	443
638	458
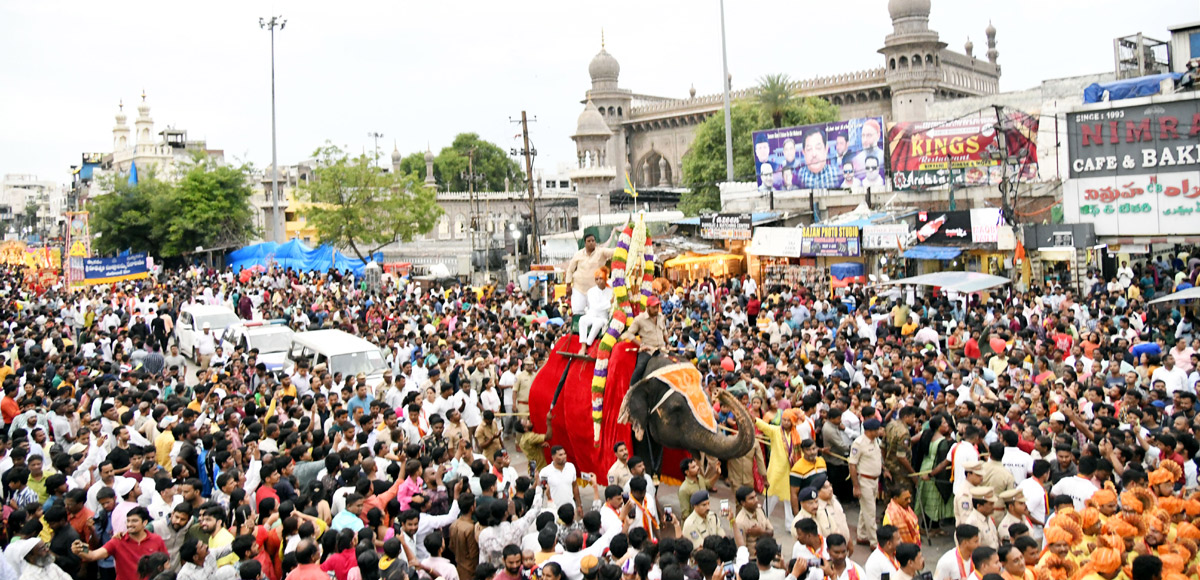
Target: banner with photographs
884	237
726	226
933	154
839	155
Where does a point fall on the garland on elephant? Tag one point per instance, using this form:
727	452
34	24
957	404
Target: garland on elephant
633	284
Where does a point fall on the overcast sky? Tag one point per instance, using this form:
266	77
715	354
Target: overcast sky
421	72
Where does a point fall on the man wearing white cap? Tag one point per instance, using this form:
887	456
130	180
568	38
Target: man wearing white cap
206	346
127	496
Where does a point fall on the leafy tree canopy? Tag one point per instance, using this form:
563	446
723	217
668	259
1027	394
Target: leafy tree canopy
208	207
356	206
704	163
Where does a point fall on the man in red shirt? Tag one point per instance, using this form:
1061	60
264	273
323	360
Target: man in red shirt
126	548
308	558
270	476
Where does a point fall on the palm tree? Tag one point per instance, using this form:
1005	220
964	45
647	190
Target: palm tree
774	94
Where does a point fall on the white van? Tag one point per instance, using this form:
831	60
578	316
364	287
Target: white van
341	352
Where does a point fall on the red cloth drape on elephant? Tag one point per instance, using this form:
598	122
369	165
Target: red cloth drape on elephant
573	413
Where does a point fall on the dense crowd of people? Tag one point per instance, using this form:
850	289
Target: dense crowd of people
1048	434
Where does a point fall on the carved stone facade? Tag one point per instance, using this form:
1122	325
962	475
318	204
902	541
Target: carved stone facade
651	134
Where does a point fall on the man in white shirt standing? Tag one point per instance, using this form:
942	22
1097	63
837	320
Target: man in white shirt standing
881	561
1078	487
956	564
1172	376
206	346
1036	498
963	453
1017	462
561	479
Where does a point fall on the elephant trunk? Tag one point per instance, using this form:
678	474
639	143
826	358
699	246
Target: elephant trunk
729	446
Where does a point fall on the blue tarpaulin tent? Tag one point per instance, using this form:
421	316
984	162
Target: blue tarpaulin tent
1127	89
295	255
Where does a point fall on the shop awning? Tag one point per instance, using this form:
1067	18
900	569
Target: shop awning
962	282
1188	294
932	253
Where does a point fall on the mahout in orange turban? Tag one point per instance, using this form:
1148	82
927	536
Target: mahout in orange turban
1057	535
1102	497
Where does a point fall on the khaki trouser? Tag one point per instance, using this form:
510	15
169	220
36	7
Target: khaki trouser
869	488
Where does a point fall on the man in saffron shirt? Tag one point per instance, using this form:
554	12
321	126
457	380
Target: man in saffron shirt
126	548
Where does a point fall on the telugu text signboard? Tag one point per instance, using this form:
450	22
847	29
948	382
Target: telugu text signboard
726	226
119	269
932	154
1135	170
830	241
839	155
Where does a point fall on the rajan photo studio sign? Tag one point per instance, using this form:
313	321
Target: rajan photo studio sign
1135	170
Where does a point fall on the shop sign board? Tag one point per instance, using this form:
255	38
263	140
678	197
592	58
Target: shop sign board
932	154
1135	170
884	236
958	228
726	226
830	241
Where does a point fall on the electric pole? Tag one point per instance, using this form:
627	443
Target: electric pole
535	251
471	177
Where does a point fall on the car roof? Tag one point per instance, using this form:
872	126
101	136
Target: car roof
206	309
333	342
264	329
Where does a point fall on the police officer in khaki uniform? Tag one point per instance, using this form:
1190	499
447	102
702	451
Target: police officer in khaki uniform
983	500
962	499
866	465
1016	513
702	523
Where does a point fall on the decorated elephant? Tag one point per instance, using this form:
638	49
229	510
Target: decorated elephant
668	407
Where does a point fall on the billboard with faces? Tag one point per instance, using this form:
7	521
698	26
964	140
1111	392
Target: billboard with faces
839	155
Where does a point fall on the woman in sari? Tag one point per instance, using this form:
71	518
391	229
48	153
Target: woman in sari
934	495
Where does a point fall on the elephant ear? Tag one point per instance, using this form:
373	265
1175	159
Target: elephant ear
635	407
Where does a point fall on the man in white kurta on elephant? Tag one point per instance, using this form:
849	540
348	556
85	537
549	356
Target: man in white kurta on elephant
581	269
599	309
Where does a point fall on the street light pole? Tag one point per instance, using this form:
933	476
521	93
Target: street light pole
725	93
277	222
375	154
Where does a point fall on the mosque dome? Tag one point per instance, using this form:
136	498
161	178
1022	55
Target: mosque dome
908	8
604	67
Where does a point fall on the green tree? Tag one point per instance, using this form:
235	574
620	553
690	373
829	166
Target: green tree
775	96
129	217
490	160
356	206
704	163
414	163
210	208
